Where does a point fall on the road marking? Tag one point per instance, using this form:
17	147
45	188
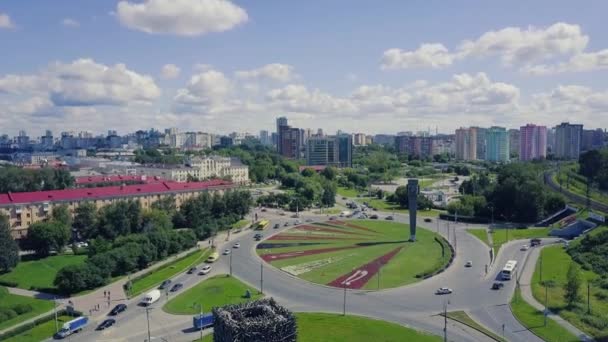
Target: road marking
354	277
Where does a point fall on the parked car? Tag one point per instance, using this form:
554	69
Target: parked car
524	248
277	226
206	269
443	290
263	210
106	324
258	237
118	309
177	287
192	270
296	222
428	219
236	245
497	286
362	217
165	284
468	264
374	217
390	218
286	224
226	251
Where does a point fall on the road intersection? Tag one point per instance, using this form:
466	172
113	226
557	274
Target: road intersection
415	305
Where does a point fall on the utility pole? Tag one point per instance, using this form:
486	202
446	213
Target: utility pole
55	309
546	308
261	278
200	307
445	322
344	302
503	331
148	320
230	264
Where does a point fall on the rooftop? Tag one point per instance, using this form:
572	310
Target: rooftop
116	179
108	192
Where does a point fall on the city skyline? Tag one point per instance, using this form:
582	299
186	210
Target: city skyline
360	68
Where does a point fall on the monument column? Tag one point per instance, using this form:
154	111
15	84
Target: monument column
412	196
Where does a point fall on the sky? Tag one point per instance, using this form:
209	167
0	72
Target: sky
360	66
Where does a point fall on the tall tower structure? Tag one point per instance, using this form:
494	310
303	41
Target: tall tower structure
412	196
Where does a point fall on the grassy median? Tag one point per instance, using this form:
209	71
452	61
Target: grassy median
314	327
167	271
32	273
40	332
480	233
216	291
10	301
502	236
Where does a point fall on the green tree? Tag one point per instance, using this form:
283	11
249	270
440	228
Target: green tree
401	196
329	173
328	198
85	219
61	213
44	237
590	164
573	284
155	219
167	204
9	257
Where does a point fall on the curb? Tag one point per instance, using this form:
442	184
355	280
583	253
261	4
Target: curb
474	328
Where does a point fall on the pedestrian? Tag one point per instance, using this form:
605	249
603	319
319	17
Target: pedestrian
104	294
108	294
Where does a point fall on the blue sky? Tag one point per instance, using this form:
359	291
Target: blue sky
362	66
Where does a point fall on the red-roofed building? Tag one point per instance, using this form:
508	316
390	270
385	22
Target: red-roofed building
89	181
25	208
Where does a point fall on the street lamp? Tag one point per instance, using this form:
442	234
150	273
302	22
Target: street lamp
200	310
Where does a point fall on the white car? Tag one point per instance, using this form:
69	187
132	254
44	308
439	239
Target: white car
468	264
443	290
524	248
236	245
226	251
206	269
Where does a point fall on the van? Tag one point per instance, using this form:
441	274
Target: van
150	297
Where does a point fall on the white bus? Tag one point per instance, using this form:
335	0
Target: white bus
509	269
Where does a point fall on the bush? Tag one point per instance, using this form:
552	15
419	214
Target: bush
8	283
21	309
597	322
7	314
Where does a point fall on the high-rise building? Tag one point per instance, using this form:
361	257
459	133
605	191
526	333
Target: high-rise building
264	137
47	141
532	142
359	139
281	122
322	151
421	147
384	139
514	141
568	140
593	139
550	140
466	144
289	144
497	148
480	149
345	150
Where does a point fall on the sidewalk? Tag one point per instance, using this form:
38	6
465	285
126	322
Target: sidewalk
87	303
526	292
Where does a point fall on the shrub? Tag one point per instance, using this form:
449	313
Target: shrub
21	309
597	322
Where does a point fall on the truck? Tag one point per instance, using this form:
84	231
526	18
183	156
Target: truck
202	321
150	297
73	326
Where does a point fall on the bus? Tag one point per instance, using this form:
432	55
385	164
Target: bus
509	269
261	225
213	257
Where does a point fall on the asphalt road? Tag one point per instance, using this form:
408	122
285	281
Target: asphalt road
415	305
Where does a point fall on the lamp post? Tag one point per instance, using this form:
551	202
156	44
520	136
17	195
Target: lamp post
261	278
200	310
344	302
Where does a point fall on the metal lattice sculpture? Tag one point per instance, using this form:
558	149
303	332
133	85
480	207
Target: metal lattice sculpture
256	321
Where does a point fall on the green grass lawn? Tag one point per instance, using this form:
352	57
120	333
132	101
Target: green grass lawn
216	291
40	273
8	300
167	271
240	224
383	205
555	267
314	327
533	319
414	258
462	317
578	187
480	233
40	332
347	192
502	236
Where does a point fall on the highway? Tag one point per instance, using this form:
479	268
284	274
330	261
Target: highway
414	305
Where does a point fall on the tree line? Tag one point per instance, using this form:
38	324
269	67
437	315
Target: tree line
16	179
594	166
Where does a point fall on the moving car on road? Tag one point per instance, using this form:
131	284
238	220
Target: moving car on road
389	218
308	220
524	248
118	309
106	324
206	269
468	264
534	242
443	290
374	217
192	270
165	284
236	245
497	286
226	251
213	257
277	226
150	297
286	224
428	219
177	287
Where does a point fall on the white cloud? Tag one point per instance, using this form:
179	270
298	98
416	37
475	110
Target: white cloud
180	17
5	21
84	83
513	45
577	63
170	71
205	90
69	22
427	55
275	72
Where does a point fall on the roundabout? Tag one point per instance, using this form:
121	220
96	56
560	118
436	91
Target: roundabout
356	254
